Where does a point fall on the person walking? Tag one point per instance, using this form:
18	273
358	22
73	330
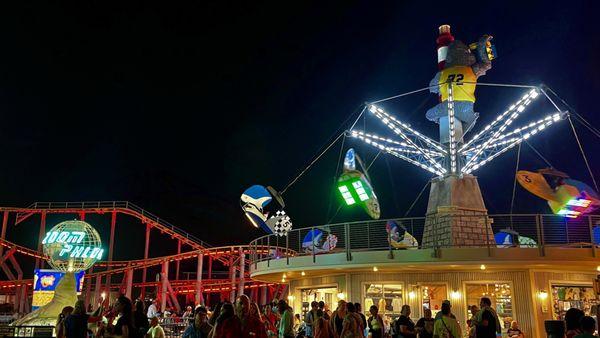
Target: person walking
446	326
424	326
376	327
405	327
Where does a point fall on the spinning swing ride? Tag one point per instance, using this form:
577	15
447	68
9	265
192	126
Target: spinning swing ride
454	154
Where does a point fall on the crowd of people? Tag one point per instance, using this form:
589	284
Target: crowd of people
246	319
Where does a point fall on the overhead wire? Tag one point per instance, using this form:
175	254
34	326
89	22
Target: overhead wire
295	179
587	164
337	169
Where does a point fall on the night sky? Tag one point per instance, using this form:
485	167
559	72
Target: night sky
179	106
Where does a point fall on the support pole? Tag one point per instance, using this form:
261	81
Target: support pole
242	271
199	298
164	277
210	261
39	264
177	262
113	223
4	225
129	283
232	276
82	216
97	289
263	295
144	271
88	289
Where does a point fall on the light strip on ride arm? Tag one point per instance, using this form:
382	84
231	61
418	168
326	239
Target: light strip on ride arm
516	109
524	132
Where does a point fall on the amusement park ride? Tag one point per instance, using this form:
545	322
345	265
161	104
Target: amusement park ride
219	270
453	192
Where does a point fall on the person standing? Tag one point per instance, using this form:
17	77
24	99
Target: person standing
227	325
424	326
573	322
337	318
60	323
124	326
472	322
286	323
321	327
140	321
376	327
588	326
446	326
200	328
155	330
351	323
270	319
514	331
251	326
439	314
310	318
188	315
488	323
152	310
363	319
76	323
405	327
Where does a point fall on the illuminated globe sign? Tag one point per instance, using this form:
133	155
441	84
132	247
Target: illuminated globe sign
72	246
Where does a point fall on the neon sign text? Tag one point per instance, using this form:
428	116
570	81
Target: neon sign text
69	241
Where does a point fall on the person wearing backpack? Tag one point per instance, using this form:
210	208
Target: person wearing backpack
446	326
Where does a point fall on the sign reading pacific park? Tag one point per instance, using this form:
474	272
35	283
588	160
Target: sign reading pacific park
72	246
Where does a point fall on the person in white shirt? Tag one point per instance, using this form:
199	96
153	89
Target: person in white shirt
152	310
155	331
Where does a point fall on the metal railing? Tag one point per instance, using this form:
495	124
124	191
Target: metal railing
543	230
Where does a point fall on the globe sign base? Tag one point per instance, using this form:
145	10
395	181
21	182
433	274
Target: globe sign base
64	295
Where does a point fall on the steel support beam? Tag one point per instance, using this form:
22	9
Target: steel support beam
111	244
232	276
39	263
4	226
164	277
129	283
144	271
177	262
263	295
242	271
199	298
97	289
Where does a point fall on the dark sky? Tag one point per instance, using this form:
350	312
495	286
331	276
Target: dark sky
179	106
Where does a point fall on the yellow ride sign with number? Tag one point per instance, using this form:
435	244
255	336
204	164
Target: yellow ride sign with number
463	83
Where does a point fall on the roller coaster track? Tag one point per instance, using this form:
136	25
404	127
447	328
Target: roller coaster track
103	207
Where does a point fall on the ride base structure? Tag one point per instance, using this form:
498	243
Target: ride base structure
452	199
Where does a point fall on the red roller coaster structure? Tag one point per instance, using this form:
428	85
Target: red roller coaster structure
233	261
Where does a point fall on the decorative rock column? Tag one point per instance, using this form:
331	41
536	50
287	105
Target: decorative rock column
456	214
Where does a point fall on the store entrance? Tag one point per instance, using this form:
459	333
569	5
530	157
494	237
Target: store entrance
501	296
329	295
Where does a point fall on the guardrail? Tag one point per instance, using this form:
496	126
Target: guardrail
544	230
